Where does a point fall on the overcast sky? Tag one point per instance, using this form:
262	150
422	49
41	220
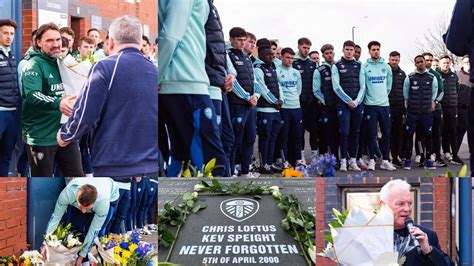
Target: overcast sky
395	24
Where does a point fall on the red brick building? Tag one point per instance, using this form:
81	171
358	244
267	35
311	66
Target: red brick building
432	206
81	15
13	224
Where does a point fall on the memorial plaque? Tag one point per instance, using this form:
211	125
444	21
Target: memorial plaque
236	230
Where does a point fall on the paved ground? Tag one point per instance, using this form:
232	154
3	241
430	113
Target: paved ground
153	238
415	171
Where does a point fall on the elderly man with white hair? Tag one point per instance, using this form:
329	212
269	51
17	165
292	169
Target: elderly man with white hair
119	106
397	196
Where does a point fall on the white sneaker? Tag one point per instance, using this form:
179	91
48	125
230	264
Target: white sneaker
371	165
448	156
145	231
386	165
251	175
418	159
343	167
303	160
353	165
152	227
301	163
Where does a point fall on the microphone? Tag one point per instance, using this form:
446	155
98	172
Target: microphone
409	225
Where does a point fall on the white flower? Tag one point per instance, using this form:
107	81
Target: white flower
277	195
312	253
274	189
195	195
51	237
72	241
198	187
34	256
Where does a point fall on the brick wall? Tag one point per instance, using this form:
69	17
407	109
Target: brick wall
12	216
146	11
433	208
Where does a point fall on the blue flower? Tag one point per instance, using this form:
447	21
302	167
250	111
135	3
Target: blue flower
124	245
134	237
143	249
322	165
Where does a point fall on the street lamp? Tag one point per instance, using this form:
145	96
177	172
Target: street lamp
353	27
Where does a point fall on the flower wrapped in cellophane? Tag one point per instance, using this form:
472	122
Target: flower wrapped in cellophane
62	246
362	237
73	75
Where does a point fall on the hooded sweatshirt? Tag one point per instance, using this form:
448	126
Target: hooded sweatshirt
42	89
182	42
378	80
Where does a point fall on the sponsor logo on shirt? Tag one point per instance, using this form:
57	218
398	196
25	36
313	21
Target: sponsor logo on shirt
376	79
31	73
57	87
288	83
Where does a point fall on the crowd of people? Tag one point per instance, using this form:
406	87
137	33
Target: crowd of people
215	98
117	104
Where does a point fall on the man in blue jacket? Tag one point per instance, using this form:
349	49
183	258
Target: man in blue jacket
420	89
322	90
118	105
242	102
397	108
310	107
348	83
9	96
268	106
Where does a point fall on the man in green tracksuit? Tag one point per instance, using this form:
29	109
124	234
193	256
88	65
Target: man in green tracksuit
42	92
90	204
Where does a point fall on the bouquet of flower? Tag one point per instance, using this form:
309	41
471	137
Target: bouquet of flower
321	165
74	75
126	250
62	245
31	258
361	237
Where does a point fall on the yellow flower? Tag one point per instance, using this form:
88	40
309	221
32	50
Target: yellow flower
117	256
126	254
132	247
291	172
117	250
